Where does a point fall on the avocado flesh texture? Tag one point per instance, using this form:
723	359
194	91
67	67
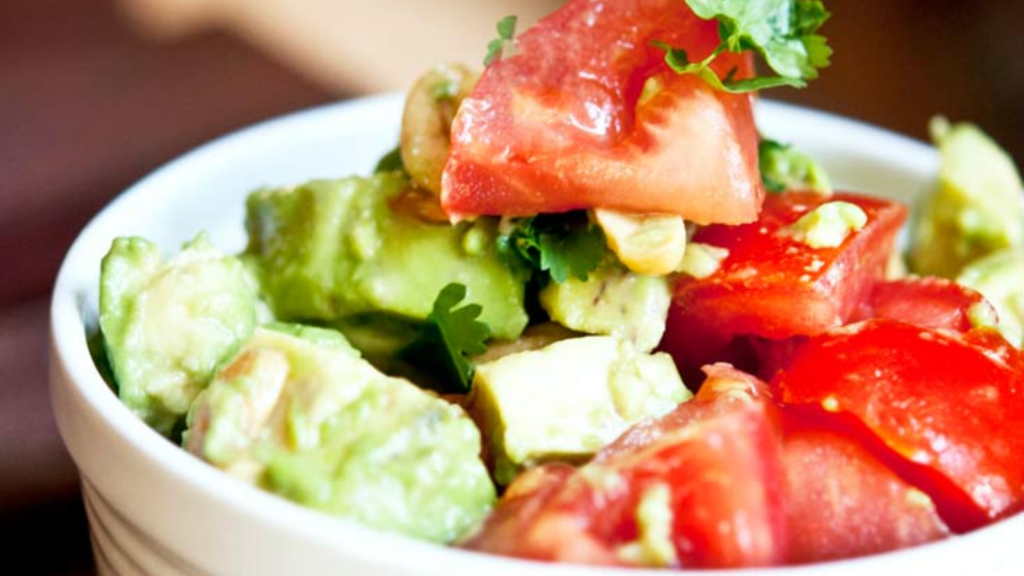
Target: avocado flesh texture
320	426
976	207
168	324
998	277
612	301
569	399
331	250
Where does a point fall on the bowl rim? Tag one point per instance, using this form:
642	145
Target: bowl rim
69	353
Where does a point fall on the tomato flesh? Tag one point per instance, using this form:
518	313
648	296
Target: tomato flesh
842	502
949	407
926	302
775	287
561	125
718	457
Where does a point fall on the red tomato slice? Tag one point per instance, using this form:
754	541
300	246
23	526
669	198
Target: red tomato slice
772	286
841	502
925	302
528	523
945	410
560	125
717	456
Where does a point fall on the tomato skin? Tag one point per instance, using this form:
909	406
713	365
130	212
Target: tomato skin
560	125
948	409
927	302
529	524
719	457
841	502
774	287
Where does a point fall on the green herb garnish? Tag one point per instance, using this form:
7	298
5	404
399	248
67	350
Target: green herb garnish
783	32
506	32
561	245
390	162
449	337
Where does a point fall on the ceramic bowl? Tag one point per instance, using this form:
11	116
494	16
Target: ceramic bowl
155	510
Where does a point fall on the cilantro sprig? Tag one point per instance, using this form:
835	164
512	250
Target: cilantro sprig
449	337
783	32
506	32
561	245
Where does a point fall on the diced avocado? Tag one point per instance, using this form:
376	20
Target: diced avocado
654	518
828	225
783	168
332	249
975	208
1000	279
322	427
323	337
702	260
612	301
168	324
568	400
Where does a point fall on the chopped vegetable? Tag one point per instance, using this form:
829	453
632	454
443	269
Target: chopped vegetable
783	167
506	32
563	246
449	337
783	32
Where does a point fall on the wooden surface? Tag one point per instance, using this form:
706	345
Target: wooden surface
87	106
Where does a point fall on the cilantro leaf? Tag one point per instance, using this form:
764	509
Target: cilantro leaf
562	245
506	32
390	162
449	337
786	168
783	32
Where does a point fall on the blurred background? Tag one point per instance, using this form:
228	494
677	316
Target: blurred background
96	93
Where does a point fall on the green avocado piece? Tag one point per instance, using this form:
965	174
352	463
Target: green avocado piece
612	301
976	207
998	277
332	249
323	337
322	427
168	324
783	168
567	400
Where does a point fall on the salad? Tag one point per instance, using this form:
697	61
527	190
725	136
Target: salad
585	312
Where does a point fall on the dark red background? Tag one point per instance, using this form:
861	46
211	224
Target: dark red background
87	107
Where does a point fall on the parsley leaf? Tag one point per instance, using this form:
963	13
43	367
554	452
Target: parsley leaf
449	337
783	32
563	245
786	168
506	31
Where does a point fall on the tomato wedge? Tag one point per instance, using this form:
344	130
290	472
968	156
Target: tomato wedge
715	460
567	123
927	302
945	410
775	287
842	502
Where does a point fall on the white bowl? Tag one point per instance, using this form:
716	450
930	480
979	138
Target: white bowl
155	510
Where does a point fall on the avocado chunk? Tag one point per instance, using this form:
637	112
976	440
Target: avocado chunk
566	401
318	425
976	207
333	249
323	337
168	324
612	301
998	277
